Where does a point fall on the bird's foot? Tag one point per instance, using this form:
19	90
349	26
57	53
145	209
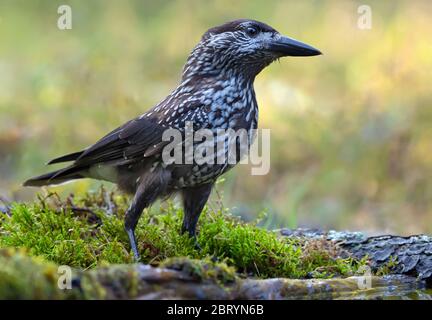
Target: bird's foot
137	256
197	245
192	234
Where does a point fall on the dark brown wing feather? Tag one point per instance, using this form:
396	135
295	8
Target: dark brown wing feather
139	138
127	143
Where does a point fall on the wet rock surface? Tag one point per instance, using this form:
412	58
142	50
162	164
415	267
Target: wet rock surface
387	287
410	255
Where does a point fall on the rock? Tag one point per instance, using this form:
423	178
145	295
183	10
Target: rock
410	255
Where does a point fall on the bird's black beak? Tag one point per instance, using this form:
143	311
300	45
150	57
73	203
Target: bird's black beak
285	46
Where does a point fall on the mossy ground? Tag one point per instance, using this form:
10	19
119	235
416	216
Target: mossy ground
87	231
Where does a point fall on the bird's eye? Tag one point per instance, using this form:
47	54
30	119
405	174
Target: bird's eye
251	31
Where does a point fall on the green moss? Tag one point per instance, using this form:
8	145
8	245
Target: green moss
387	267
23	277
78	232
205	269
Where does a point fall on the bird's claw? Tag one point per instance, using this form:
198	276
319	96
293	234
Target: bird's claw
197	246
137	257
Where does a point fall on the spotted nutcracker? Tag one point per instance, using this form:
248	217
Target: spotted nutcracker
216	92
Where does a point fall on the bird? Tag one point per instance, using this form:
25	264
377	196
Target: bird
216	92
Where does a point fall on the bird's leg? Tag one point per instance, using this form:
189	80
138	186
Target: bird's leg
131	220
132	216
194	200
146	193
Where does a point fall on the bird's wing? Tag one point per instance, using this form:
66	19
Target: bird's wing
126	143
137	139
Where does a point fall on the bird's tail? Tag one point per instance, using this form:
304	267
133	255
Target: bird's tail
55	177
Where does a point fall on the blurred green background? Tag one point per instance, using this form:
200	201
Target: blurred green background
351	130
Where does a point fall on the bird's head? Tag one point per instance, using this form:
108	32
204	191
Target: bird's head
242	47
